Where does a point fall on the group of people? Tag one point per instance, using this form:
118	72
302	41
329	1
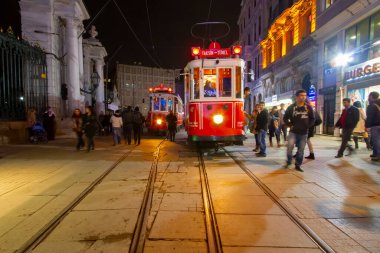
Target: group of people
49	123
127	121
298	121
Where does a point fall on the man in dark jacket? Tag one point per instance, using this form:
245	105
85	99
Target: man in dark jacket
171	120
127	124
347	121
299	117
373	122
262	128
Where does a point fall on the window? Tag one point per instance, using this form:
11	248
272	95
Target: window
330	49
163	104
329	3
375	36
278	52
196	86
238	82
170	104
254	3
305	24
289	40
254	32
249	39
269	55
259	25
249	67
224	75
362	39
156	104
209	85
350	39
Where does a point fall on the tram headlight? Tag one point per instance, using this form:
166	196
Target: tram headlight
218	119
159	121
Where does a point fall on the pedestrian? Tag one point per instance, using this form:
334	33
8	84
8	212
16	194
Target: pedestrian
116	123
247	109
171	120
373	122
262	128
347	121
310	134
31	119
360	130
89	126
138	121
254	126
274	126
283	126
49	123
77	127
299	117
127	117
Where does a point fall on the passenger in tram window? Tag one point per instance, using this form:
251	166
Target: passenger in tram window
209	90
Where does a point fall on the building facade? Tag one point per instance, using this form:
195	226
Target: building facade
348	35
133	83
57	27
278	47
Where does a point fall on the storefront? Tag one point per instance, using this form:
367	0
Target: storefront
362	79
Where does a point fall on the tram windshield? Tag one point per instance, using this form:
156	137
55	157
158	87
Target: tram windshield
156	104
224	75
170	104
209	85
163	104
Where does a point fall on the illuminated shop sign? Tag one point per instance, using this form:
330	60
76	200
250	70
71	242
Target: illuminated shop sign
362	71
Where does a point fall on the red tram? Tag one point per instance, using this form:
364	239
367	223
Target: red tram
162	101
214	109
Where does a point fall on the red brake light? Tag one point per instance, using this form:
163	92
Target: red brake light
236	50
195	51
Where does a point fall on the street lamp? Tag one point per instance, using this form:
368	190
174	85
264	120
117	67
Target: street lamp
95	78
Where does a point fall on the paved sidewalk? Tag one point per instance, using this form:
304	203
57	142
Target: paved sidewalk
338	198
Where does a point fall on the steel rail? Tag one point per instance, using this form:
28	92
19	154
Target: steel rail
214	241
33	242
306	229
139	234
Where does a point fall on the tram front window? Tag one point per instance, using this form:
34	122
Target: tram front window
163	104
209	86
196	83
224	75
238	82
170	104
156	104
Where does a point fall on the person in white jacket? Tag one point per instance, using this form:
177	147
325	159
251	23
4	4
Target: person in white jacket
117	124
360	127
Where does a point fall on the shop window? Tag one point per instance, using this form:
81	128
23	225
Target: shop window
209	85
350	39
362	40
238	82
224	75
375	36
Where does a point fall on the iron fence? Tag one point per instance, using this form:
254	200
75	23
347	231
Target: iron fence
23	82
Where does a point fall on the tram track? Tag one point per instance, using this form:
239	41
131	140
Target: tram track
140	231
323	246
49	227
214	242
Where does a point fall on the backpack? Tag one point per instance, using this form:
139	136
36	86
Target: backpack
318	119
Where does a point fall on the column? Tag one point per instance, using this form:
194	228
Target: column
80	55
99	64
72	61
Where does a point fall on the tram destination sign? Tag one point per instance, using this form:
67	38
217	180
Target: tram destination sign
214	53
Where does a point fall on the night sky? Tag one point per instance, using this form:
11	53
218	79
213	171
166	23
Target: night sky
170	21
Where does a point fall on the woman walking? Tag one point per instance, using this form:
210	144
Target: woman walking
77	127
89	126
360	130
117	124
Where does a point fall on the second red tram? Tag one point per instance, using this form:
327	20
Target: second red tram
214	95
162	101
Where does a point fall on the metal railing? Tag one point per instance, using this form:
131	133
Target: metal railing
23	78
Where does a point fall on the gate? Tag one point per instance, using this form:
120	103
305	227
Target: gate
23	82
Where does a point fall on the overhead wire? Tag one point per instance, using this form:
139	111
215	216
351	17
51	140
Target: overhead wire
135	35
95	17
151	33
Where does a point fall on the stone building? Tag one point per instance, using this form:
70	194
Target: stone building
133	83
57	27
348	38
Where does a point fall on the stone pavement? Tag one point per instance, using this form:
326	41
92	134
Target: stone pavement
337	198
